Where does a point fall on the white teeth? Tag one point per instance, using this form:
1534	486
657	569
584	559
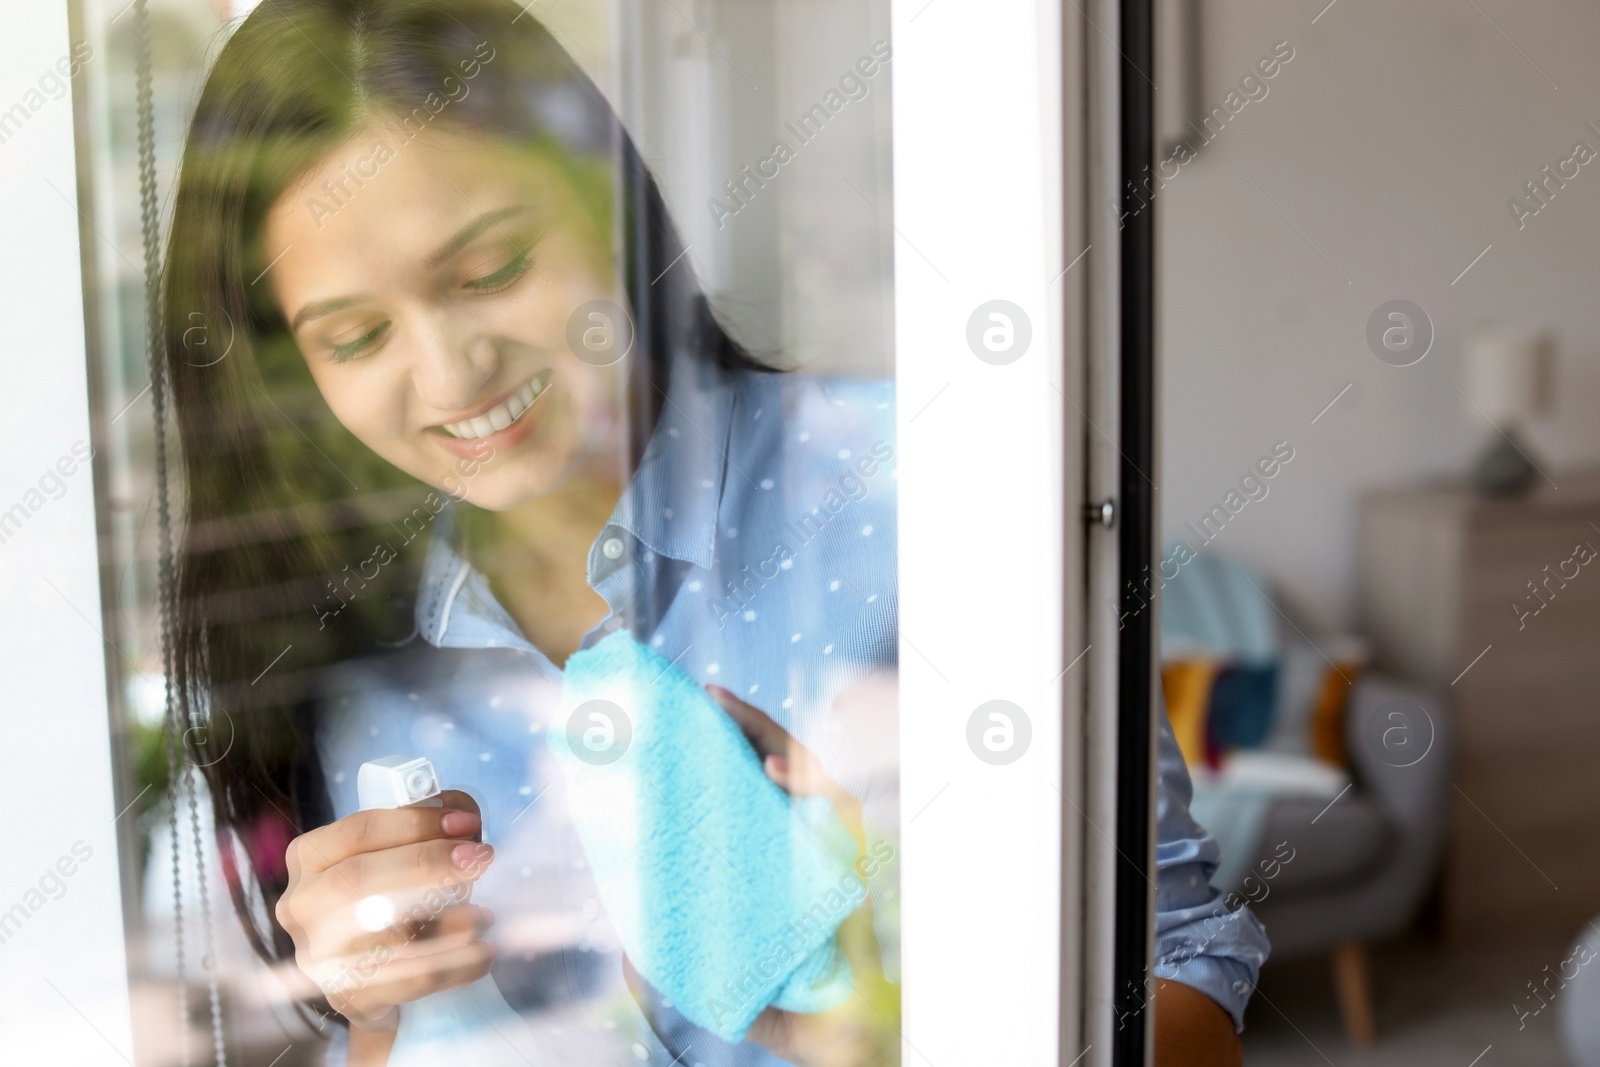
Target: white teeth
502	414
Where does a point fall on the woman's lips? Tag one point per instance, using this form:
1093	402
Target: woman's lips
507	436
502	414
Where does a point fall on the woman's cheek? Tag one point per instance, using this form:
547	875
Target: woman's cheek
372	411
600	404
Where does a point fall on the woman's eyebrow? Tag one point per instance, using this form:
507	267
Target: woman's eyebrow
319	308
471	232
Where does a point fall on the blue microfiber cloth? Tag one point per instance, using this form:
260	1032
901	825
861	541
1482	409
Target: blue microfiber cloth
726	892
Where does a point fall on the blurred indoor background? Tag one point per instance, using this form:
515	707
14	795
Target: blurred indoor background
1378	272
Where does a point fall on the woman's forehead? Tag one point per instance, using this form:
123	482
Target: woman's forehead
386	168
378	199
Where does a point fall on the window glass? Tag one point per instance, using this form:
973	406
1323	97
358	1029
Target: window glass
509	543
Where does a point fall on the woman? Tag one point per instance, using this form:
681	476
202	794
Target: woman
476	417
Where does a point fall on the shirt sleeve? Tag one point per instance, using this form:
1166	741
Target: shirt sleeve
1199	940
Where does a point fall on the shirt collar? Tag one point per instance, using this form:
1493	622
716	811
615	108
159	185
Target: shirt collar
675	494
670	506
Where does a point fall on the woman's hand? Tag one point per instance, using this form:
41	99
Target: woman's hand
1192	1030
793	766
858	1032
376	905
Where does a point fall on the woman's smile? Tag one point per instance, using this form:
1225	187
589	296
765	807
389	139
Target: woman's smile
502	425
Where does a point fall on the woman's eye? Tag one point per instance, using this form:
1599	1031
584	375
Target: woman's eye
351	349
502	278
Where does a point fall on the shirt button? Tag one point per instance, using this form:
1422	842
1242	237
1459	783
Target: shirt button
612	548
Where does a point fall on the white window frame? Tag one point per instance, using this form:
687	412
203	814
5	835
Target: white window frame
63	971
989	112
989	115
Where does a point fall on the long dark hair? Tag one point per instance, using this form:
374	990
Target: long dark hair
283	505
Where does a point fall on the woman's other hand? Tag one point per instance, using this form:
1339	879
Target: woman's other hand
793	766
863	1031
1192	1030
376	905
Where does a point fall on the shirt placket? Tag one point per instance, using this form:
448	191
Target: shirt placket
614	563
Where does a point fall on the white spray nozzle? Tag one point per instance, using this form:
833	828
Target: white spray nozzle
396	782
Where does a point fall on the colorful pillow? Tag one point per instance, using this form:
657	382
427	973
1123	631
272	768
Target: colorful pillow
1295	705
1313	697
1187	687
1216	707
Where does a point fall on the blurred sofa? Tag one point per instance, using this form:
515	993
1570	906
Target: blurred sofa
1328	787
1364	863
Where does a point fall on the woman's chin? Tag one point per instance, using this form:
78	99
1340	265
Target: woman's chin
506	486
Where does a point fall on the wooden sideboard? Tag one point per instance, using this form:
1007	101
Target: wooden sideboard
1448	576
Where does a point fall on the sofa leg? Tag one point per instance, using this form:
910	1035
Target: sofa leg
1353	983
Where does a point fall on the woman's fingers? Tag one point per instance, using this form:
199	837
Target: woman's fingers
375	906
793	766
402	889
834	1038
785	760
456	924
773	1030
411	870
456	800
377	830
473	920
371	988
800	774
370	886
778	769
341	939
765	736
402	953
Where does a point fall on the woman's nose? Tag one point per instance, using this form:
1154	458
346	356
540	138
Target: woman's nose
451	366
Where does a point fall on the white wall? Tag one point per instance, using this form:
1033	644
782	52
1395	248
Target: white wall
63	975
1392	140
803	274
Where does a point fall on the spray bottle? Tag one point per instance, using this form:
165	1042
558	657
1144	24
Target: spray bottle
471	1023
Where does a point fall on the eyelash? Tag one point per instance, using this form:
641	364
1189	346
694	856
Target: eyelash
350	350
488	285
503	278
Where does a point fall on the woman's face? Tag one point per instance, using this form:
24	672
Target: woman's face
429	284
